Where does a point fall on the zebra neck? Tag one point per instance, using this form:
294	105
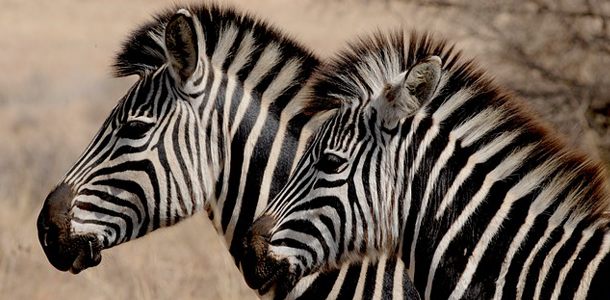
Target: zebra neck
502	204
250	146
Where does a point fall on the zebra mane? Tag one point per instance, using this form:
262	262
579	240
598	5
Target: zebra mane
144	52
371	62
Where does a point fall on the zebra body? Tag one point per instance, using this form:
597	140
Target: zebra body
426	158
214	115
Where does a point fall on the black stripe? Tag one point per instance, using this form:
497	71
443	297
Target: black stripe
207	89
576	273
388	280
236	99
287	155
371	278
599	288
348	288
181	174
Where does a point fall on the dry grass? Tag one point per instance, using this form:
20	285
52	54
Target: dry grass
57	93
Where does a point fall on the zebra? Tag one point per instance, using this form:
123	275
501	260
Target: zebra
427	158
214	117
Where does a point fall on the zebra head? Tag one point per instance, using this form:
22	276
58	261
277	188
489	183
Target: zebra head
332	206
145	156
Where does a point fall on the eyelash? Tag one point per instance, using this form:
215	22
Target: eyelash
330	163
134	129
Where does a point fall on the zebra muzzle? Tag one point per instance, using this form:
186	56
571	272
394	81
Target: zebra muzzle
263	271
72	253
65	250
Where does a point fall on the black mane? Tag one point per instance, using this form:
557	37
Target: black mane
144	52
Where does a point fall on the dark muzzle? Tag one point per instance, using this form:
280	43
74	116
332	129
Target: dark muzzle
65	250
261	269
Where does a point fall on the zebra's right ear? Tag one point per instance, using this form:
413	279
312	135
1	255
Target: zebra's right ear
183	40
410	90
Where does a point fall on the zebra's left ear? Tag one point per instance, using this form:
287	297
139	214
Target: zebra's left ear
410	90
183	40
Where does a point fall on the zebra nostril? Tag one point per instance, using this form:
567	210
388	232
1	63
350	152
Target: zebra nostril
49	235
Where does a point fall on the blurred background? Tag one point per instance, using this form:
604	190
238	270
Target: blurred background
56	90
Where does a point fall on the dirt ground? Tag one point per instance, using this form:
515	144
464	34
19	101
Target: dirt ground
55	91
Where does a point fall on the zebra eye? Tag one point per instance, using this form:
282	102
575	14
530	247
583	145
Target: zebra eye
330	163
134	129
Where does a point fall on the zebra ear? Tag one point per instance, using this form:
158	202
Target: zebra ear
423	78
411	89
182	40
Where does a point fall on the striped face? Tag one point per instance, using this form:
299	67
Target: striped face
323	209
142	171
337	200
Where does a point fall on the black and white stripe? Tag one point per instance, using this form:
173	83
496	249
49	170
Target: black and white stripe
375	278
427	158
213	123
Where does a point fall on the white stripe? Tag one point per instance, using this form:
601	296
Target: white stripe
292	252
334	293
476	127
173	164
226	37
554	221
591	270
451	104
563	211
243	55
361	279
268	59
378	292
398	289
